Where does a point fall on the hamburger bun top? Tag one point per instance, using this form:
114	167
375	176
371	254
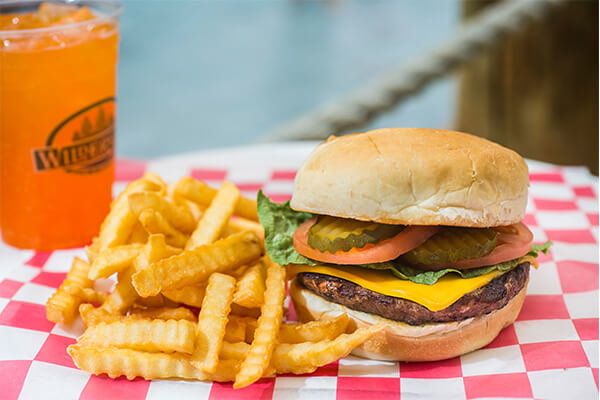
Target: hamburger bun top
414	176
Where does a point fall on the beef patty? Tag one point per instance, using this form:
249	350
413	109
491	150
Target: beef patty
486	299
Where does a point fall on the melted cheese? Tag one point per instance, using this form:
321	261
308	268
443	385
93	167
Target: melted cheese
438	296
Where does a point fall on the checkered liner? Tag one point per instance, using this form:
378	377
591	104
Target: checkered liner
550	352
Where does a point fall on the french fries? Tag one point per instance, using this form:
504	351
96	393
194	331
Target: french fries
179	217
234	350
314	331
62	307
215	217
155	249
139	234
192	208
235	330
117	362
88	295
238	272
212	322
154	223
153	301
123	296
304	358
188	295
193	266
150	326
165	313
203	195
237	323
146	335
93	250
161	186
250	288
289	332
265	336
113	259
241	311
239	224
92	316
120	222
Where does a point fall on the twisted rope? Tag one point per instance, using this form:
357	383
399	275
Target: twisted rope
361	106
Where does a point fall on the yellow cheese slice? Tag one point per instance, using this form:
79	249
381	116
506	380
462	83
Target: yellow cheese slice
438	296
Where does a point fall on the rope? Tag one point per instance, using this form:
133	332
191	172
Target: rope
363	105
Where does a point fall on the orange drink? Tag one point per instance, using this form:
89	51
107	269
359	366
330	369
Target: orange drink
57	112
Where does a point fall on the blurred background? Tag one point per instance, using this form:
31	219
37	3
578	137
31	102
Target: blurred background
203	74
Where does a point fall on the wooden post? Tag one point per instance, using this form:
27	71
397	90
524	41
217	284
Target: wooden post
537	92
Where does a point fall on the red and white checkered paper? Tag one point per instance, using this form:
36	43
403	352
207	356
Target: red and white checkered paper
550	352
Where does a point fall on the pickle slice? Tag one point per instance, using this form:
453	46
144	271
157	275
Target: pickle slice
334	234
450	245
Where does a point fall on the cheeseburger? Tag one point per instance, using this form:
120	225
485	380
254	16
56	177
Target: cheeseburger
417	228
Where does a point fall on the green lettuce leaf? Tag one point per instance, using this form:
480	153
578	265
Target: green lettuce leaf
280	222
416	275
537	248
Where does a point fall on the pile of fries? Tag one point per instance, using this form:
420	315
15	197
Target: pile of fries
195	298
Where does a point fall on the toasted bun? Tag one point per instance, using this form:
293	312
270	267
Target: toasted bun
411	176
403	342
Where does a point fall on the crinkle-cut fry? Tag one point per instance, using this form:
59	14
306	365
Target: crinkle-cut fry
250	288
212	322
193	208
238	272
120	221
152	301
113	259
92	316
188	295
139	234
235	331
154	223
179	217
240	224
234	350
250	329
203	194
146	335
165	313
249	325
155	178
237	351
215	217
117	362
314	331
194	266
88	295
62	306
241	311
265	336
304	358
156	248
124	294
93	250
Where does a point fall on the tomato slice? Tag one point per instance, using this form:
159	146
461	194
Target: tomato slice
514	241
386	250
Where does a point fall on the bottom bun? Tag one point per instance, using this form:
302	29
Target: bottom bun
402	342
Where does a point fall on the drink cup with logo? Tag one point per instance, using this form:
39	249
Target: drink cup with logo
57	113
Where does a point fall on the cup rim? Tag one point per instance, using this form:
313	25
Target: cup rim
114	10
